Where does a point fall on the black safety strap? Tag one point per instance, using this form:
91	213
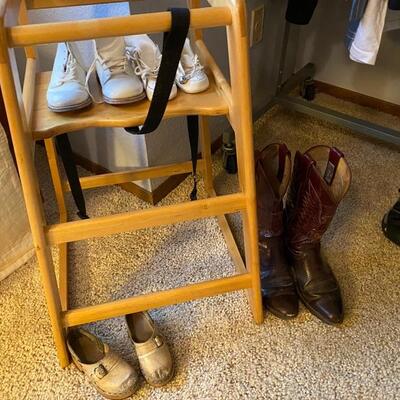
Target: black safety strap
65	151
173	43
193	131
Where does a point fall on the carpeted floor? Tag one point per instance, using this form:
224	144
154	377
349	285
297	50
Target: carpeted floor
220	353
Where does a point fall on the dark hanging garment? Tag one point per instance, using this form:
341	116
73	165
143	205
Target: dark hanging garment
299	12
394	4
356	13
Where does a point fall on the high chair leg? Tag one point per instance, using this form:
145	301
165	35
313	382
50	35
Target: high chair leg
30	188
62	209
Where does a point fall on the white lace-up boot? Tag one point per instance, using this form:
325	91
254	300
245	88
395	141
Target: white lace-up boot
190	76
146	58
119	83
67	91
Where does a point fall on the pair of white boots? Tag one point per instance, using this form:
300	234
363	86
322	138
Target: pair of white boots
127	70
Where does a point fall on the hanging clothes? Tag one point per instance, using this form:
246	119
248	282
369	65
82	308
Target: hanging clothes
299	12
356	13
394	4
365	46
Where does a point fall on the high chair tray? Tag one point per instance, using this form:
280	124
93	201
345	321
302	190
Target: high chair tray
46	123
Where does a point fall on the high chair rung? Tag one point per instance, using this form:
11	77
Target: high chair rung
54	32
37	4
153	217
115	178
154	300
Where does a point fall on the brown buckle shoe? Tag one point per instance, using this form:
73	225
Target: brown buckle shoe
151	348
112	377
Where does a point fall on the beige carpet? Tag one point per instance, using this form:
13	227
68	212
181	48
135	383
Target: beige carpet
220	353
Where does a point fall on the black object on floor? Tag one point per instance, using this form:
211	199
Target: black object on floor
308	89
299	12
394	4
229	160
391	224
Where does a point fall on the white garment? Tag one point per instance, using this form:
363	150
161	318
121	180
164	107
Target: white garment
16	245
366	43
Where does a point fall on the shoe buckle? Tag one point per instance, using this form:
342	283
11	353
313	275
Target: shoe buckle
100	371
158	341
183	79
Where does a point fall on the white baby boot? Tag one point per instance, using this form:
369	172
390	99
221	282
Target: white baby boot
146	59
119	84
190	76
67	91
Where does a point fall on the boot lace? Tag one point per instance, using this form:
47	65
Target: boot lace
114	66
71	71
195	70
141	68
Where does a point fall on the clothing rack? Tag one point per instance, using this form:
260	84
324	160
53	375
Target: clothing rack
283	97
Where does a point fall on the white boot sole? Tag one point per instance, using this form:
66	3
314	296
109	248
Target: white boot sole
126	100
73	107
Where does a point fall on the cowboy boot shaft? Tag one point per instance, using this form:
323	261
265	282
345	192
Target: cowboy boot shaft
309	206
272	179
321	178
273	167
269	206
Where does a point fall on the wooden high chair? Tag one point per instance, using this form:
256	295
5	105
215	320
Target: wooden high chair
31	120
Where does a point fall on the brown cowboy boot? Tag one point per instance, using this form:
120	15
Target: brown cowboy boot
273	167
321	178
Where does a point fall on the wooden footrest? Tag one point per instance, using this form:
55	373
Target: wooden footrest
157	216
154	300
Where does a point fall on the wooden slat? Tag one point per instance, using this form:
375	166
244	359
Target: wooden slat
241	120
220	80
112	224
22	143
28	92
34	4
62	209
231	244
54	32
116	178
30	52
154	300
63	275
46	123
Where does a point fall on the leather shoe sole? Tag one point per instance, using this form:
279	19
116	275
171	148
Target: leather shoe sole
317	314
280	312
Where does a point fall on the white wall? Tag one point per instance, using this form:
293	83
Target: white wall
322	42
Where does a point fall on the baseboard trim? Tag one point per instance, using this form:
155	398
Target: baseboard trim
150	197
358	98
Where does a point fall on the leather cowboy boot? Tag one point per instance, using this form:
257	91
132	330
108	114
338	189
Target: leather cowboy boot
321	178
273	167
391	224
